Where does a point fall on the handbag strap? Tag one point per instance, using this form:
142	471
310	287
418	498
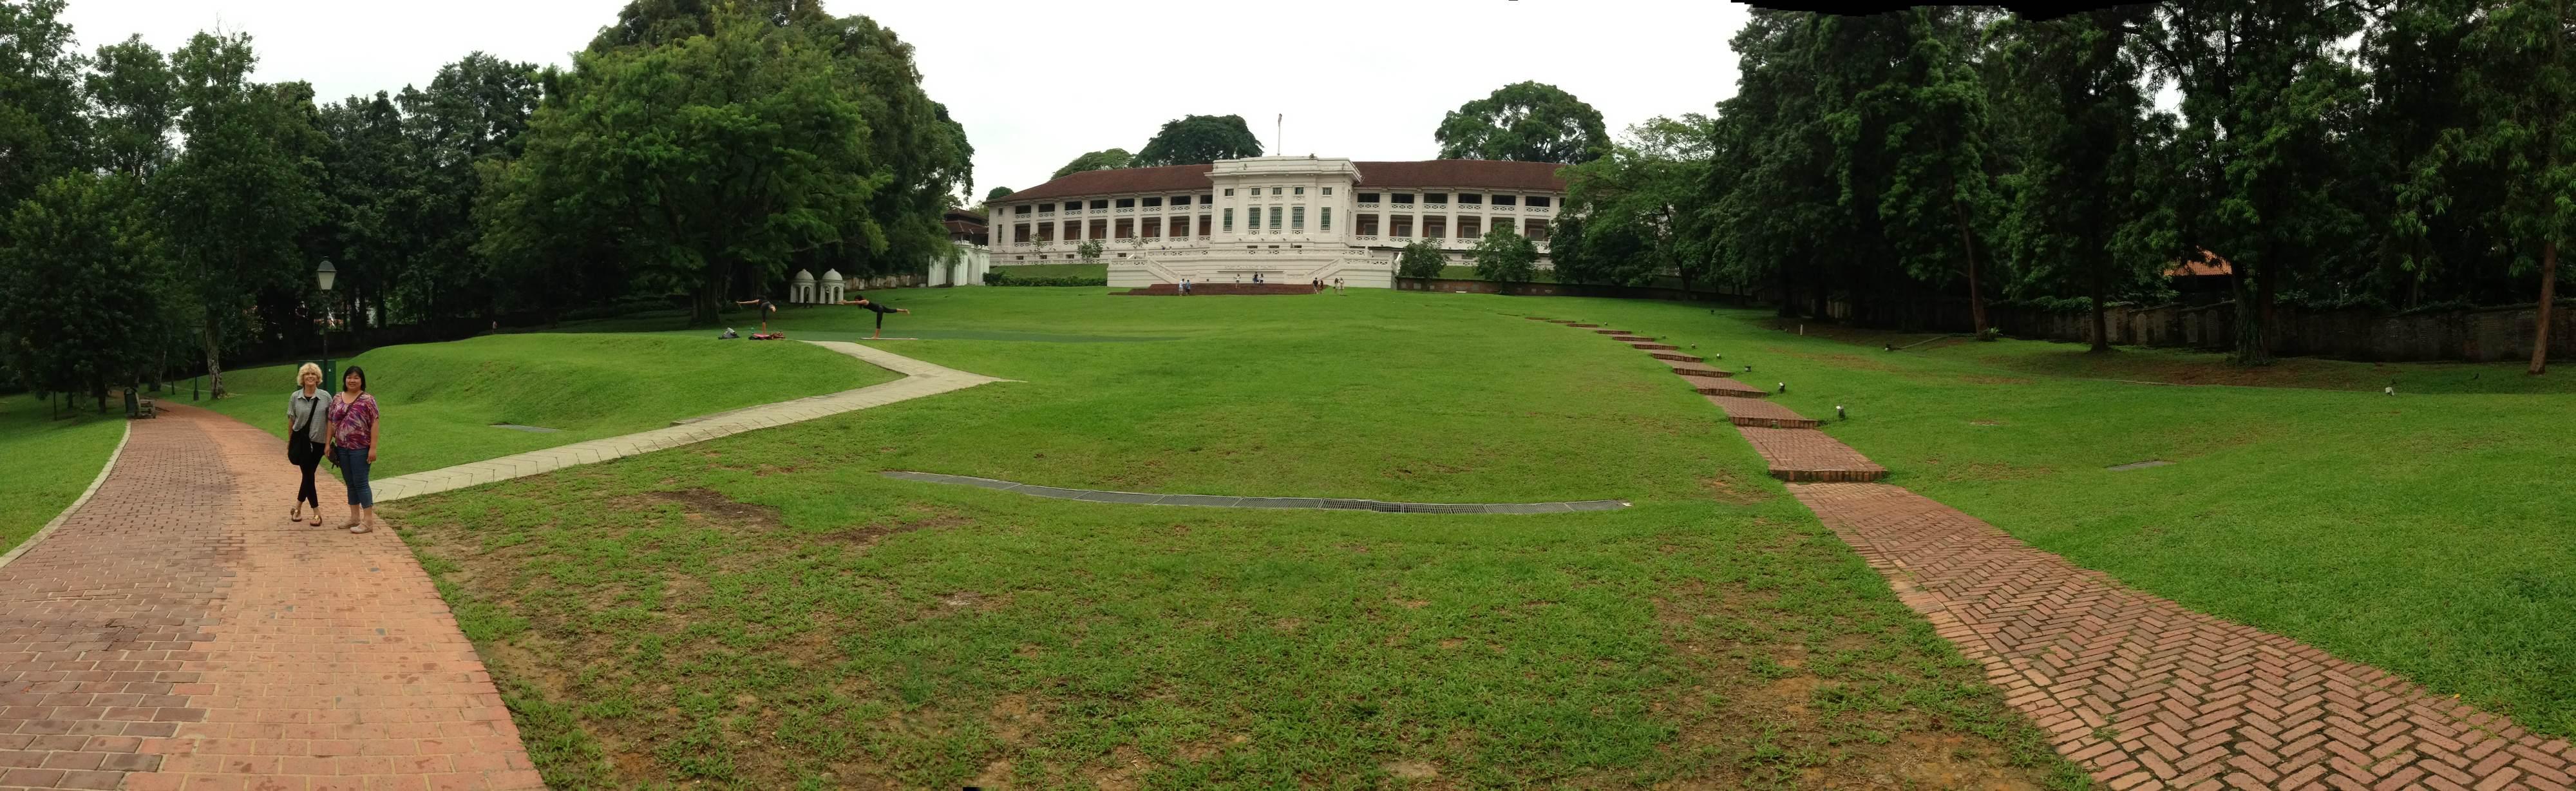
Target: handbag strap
318	406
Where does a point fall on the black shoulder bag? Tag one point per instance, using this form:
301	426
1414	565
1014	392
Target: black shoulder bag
300	448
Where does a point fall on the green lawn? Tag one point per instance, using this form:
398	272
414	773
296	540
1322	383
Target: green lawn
2424	533
765	611
441	400
47	463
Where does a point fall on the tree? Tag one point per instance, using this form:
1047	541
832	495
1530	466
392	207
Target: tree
997	193
711	161
42	127
237	201
1632	214
1089	250
472	116
2083	107
1421	259
2525	90
136	101
1940	181
79	289
1198	140
1523	122
1111	159
1505	257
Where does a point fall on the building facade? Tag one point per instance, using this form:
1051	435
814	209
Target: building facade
1283	219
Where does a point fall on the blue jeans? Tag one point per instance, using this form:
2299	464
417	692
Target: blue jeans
353	471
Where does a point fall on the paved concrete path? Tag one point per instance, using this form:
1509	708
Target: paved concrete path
2140	691
920	379
176	629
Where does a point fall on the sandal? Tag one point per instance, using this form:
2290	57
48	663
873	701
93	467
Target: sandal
317	518
296	514
361	528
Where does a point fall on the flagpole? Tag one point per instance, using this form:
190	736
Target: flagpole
1278	132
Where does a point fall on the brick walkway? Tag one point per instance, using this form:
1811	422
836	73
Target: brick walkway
176	629
2139	690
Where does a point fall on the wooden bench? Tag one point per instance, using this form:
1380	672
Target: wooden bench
143	408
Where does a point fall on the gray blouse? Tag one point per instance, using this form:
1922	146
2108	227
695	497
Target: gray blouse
317	427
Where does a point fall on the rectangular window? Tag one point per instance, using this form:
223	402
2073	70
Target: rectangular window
1502	200
1435	227
1274	190
1301	190
1435	197
1020	209
1405	199
1203	225
1274	218
1469	227
1072	231
1328	190
1180	200
1368	197
1020	233
1297	219
1126	203
1153	227
1327	219
1229	192
1229	219
1470	199
1536	230
1099	204
1539	201
1153	202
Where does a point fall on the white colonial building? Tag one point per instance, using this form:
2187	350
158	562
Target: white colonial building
1287	219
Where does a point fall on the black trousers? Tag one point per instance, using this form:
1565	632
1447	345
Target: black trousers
306	494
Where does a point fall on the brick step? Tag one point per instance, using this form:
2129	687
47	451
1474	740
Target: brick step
1673	356
1692	368
1633	339
1809	456
1583	326
1723	388
1654	347
1761	413
1614	332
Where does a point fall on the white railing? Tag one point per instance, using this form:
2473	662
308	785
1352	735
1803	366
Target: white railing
1019	244
1366	237
1536	209
1436	206
1399	207
1045	214
1124	210
1100	211
1203	238
1368	205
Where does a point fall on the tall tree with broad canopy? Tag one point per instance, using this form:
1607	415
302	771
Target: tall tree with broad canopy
135	100
42	126
80	291
2080	105
998	193
1940	185
2524	91
1524	122
1422	259
2265	103
472	115
711	162
1199	140
1111	159
1633	214
236	203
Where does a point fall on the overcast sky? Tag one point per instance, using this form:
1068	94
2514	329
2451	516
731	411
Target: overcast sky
1038	83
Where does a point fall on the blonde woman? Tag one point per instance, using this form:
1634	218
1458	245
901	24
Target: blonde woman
307	429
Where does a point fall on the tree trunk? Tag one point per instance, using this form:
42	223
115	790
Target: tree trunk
2250	316
1976	298
214	356
2548	293
2101	295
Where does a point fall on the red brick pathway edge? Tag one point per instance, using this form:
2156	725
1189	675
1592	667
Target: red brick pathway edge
2143	692
176	632
103	471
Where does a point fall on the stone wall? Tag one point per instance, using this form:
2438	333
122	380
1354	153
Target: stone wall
2477	335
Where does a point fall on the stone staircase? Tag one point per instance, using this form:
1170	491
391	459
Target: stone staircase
1789	442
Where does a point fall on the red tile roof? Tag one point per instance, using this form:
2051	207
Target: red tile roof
2209	265
1449	173
1168	178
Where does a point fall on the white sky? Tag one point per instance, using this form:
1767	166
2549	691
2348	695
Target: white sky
1039	83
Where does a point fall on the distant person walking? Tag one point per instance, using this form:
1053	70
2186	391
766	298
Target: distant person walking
767	309
1185	287
1337	286
307	432
354	438
881	310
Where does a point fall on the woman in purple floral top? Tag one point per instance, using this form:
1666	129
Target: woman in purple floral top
352	445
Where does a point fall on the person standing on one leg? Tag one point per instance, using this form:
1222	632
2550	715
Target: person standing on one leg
881	310
354	437
307	431
767	309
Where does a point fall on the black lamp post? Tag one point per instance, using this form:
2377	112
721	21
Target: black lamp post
323	275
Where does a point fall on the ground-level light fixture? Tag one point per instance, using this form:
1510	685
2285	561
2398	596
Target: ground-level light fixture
1839	414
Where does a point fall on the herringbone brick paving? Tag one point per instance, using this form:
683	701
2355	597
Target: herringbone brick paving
177	630
2149	694
2141	691
1799	454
